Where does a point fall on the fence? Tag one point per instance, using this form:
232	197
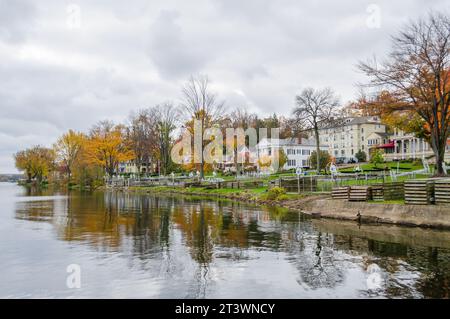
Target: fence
419	192
154	181
442	192
300	184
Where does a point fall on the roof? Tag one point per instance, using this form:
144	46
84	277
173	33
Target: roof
381	134
289	142
351	121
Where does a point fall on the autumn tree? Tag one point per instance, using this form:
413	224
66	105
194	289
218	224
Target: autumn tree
107	147
67	150
315	108
199	103
37	162
416	77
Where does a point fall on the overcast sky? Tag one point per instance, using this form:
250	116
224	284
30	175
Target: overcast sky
69	64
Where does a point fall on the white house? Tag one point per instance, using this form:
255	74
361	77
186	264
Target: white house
297	151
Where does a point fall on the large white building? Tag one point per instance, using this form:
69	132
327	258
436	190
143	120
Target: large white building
297	151
399	145
346	137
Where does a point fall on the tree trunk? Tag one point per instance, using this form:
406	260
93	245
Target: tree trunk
316	131
438	147
440	160
236	160
202	161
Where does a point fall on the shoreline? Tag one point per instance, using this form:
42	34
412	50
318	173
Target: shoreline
322	206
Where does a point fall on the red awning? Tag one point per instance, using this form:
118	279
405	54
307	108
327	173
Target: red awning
388	145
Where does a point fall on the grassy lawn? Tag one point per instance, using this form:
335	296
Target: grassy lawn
403	167
396	201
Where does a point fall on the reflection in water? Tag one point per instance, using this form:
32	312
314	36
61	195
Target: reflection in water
190	247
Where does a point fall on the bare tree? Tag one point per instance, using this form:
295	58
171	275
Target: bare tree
416	76
201	104
314	108
166	116
291	128
141	136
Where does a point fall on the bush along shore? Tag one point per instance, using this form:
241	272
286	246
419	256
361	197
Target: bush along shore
276	196
320	205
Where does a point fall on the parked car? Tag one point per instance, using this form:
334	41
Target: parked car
346	160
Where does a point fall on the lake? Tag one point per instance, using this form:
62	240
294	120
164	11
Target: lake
125	245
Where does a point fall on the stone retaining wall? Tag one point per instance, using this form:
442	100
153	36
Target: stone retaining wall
411	215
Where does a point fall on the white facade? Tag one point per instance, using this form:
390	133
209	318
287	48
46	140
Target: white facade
400	145
346	137
297	152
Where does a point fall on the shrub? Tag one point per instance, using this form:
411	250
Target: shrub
282	197
377	158
325	159
361	156
417	162
275	192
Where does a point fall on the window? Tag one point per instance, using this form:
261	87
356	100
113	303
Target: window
291	163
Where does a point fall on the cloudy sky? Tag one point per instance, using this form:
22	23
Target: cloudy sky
69	64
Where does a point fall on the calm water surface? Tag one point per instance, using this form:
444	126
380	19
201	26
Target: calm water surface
142	246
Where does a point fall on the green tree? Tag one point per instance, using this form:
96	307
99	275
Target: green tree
282	159
377	158
361	156
325	159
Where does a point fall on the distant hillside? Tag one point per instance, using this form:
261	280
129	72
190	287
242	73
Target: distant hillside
10	177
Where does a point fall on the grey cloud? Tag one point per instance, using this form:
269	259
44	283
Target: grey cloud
130	55
173	54
17	18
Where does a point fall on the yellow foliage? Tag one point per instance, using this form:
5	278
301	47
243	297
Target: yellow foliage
107	149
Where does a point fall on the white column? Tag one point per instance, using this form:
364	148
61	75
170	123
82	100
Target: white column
402	145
